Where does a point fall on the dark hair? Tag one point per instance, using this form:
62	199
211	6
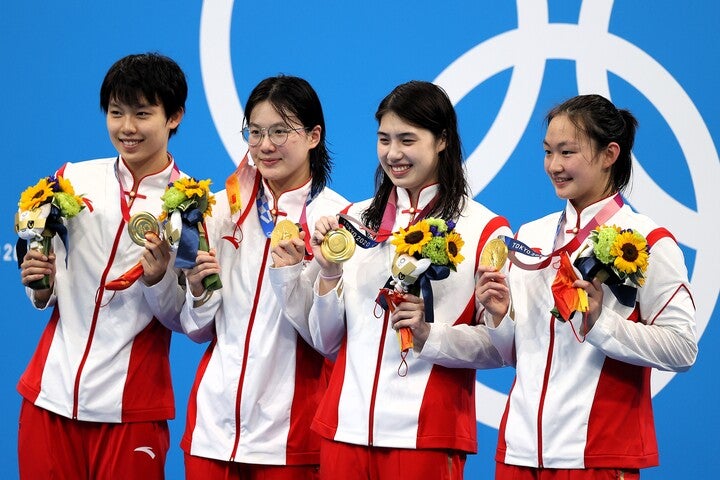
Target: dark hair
295	97
426	106
603	123
155	77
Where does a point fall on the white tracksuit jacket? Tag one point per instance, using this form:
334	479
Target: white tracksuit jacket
588	405
103	357
259	383
367	402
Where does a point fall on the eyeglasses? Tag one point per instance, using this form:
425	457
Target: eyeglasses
278	135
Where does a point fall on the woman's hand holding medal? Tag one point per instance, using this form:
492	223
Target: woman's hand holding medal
144	230
491	289
287	242
155	258
330	267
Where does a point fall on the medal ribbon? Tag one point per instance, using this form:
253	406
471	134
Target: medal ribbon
267	223
516	246
131	276
124	205
386	224
264	214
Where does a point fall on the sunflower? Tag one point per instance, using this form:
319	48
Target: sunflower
64	185
412	240
210	202
36	195
192	187
186	194
454	244
630	252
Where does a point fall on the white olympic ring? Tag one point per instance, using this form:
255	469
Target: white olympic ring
525	50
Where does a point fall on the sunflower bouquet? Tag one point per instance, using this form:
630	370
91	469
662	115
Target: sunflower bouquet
426	250
619	259
41	211
186	204
617	255
433	239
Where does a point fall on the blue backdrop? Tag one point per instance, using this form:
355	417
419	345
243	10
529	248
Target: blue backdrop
503	63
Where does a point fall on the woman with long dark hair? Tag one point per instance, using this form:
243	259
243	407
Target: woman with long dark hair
399	411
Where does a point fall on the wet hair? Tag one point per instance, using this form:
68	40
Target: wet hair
427	106
603	123
154	77
295	97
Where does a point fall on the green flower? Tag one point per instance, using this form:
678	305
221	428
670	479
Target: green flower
172	198
438	223
67	203
605	238
435	251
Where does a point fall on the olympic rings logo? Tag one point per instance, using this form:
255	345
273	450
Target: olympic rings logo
526	49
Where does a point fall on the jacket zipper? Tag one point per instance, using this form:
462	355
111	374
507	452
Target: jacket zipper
543	392
378	365
246	350
98	303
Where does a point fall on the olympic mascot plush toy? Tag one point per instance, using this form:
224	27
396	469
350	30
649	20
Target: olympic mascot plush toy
30	224
406	269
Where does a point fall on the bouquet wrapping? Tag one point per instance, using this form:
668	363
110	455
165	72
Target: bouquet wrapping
617	257
42	211
427	250
186	204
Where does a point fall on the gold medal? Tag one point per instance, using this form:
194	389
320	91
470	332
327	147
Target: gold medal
140	224
494	254
338	245
284	230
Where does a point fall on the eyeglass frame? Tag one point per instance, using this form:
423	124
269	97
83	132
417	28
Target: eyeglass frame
245	132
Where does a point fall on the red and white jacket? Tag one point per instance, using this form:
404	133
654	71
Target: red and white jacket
367	402
258	385
103	356
588	405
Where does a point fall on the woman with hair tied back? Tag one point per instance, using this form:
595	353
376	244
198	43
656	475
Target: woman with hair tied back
392	412
605	299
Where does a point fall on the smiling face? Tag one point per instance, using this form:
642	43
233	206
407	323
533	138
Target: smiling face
408	154
140	134
578	171
285	167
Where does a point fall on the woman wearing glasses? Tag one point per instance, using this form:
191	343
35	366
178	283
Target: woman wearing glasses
259	382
